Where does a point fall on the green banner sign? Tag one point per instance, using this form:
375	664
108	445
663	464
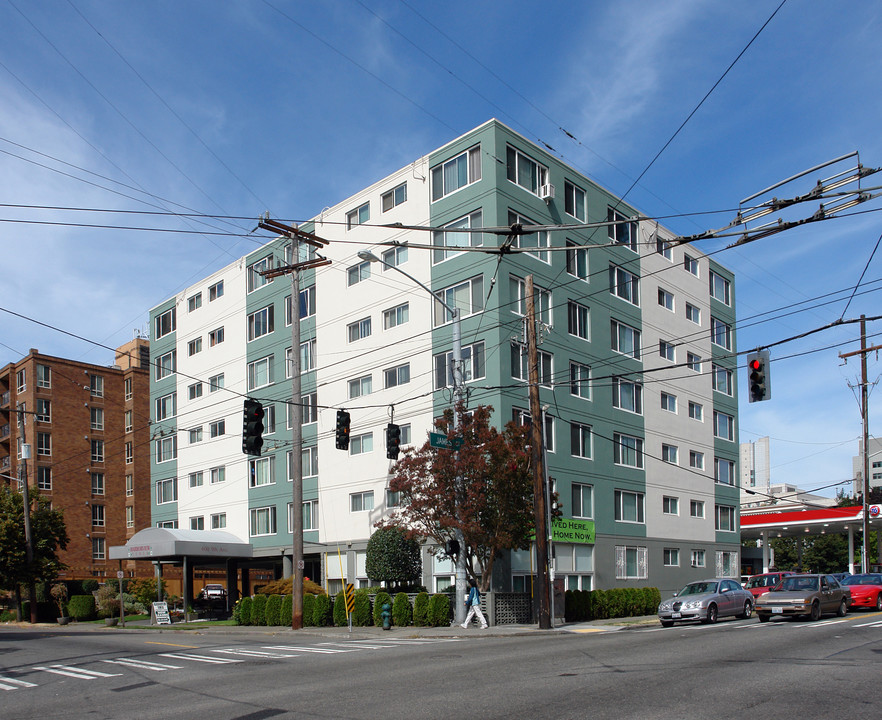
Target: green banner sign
571	530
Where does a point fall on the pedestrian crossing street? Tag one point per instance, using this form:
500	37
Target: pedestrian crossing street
164	661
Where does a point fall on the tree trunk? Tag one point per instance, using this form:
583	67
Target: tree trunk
18	603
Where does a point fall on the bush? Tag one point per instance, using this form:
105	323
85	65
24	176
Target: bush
380	599
402	615
59	595
392	557
439	610
245	605
143	590
273	607
80	607
285	586
286	610
89	586
308	609
421	610
361	608
258	610
322	613
340	617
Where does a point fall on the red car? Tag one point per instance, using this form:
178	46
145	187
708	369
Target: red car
759	584
866	590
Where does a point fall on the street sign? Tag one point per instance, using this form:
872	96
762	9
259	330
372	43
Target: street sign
160	614
349	594
441	441
120	574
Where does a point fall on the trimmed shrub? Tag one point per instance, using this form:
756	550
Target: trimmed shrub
322	614
245	605
286	610
308	609
439	610
90	586
273	607
340	617
80	607
402	614
258	610
421	610
651	600
361	608
380	599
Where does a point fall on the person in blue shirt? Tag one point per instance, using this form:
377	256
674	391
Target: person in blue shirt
473	603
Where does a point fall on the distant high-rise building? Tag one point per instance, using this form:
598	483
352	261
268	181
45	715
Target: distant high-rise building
754	470
874	448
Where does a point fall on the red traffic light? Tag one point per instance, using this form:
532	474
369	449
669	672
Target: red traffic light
755	364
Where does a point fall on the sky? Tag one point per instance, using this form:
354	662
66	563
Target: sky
235	109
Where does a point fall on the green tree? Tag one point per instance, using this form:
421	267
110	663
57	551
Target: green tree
392	557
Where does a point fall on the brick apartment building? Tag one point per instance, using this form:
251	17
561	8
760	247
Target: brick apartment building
89	431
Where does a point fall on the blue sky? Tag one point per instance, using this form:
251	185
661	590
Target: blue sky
240	108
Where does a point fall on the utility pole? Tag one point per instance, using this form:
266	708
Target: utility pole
26	511
295	235
536	452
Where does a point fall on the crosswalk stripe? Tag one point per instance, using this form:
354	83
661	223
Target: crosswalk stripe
79	673
252	653
359	645
326	651
877	623
143	664
821	624
200	658
15	684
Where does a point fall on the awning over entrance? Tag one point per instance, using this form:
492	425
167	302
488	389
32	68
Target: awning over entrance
172	544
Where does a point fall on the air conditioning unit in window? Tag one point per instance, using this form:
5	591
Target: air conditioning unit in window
546	192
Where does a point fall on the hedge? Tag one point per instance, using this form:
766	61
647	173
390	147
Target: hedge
287	610
380	599
583	605
244	606
308	609
81	607
341	619
421	610
273	607
322	612
402	615
439	610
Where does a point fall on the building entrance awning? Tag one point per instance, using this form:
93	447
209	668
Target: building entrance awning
199	546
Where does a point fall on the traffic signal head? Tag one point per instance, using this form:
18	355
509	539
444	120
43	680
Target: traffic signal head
393	441
451	549
758	381
342	438
252	427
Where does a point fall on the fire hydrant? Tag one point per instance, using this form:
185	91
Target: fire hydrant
386	614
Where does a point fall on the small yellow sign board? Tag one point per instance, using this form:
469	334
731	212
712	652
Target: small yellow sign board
349	594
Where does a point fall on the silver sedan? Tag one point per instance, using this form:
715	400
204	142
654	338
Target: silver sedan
706	601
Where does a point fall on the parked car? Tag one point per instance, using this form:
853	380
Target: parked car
214	591
759	584
840	576
866	590
706	601
809	595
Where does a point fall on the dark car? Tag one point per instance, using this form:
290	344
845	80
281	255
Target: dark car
756	585
804	595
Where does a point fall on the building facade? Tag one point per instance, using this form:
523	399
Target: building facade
88	427
637	370
874	462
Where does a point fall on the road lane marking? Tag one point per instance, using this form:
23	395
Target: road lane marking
252	653
200	658
877	623
822	624
191	647
359	645
143	664
15	684
326	651
78	673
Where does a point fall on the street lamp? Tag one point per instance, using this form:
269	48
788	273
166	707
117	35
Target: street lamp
459	603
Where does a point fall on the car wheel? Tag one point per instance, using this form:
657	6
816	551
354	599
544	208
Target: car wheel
748	610
762	617
815	613
667	623
711	616
843	609
879	602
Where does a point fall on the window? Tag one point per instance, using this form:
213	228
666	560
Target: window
166	448
574	201
44	376
456	173
671	557
580	440
625	339
269	419
97	516
719	288
669	454
360	215
44	478
360	386
696	508
721	333
361	501
664	248
541	300
621	230
166	407
670	505
669	402
577	260
260	373
216	291
167	524
130	516
130	453
666	350
393	377
583	500
127	421
535	243
309	409
693	362
197	523
308	462
307	304
722	379
394	256
128	385
215	383
696	459
697	558
580	380
196	479
472	365
194	302
164	324
690	264
99	545
263	521
194	346
666	299
96	386
358	273
44	411
96	418
166	491
21	384
361	444
624	284
725	518
447	241
217	428
696	411
44	444
396	316
218	521
467	297
578	320
359	330
215	337
394	197
627	395
217	475
520	364
97	483
525	171
393	499
693	314
523	417
724	426
307	357
310	516
631	563
194	391
260	472
724	471
627	450
261	323
254	278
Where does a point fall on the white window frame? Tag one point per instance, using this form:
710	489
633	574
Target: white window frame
724	426
720	463
395	376
394	197
574	200
521	168
360	386
670	454
667	350
216	336
579	489
361	444
446	243
580	380
164	323
166	491
668	402
693	313
670	505
261	472
698	559
581	441
362	501
696	411
627	395
718	373
254	280
358	216
216	291
690	265
622	230
395	316
639	554
468	162
696	459
577	260
452	296
579	320
720	286
622	510
473	365
671	557
261	322
359	330
624	445
358	273
666	299
262	521
696	509
624	285
721	333
725	512
253	368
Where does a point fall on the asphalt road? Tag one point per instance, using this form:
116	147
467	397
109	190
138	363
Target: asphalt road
735	669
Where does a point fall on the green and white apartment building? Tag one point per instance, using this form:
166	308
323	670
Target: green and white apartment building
637	370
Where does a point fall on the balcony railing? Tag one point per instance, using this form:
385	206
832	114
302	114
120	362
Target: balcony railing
4	399
4	463
4	431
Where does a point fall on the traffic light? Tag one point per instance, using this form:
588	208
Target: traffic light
758	379
451	549
342	442
252	427
393	441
